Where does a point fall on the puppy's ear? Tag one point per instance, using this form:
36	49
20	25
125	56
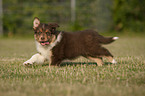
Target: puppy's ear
53	27
36	22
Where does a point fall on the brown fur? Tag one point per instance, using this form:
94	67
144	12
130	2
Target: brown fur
85	43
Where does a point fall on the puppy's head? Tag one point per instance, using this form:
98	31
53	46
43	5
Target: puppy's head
44	33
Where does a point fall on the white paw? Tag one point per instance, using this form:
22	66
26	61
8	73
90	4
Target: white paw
28	63
114	62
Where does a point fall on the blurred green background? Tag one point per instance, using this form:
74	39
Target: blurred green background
103	15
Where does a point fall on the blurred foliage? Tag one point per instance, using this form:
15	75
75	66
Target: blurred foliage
19	14
129	15
101	15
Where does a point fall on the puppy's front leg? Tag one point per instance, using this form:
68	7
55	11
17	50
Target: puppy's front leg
37	58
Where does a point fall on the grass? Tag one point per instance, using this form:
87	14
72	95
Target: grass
127	78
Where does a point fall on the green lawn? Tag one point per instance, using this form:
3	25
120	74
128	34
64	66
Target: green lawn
127	78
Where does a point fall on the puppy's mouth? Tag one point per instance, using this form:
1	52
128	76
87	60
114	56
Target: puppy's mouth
43	43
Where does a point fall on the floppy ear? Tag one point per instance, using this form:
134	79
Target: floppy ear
36	22
53	27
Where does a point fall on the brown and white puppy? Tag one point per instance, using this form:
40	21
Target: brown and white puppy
56	46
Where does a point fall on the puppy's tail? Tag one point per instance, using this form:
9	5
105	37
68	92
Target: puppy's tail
108	40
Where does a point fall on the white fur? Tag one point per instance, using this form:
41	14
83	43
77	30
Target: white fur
37	58
44	52
115	38
114	62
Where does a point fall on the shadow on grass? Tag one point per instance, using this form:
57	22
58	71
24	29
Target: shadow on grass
78	63
63	64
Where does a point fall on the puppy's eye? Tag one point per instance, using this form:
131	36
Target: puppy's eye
39	33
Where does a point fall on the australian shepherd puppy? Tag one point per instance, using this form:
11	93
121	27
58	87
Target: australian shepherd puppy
55	46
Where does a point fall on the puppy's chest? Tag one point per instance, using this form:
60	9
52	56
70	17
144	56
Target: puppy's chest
45	51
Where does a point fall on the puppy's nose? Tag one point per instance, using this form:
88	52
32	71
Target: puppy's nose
42	38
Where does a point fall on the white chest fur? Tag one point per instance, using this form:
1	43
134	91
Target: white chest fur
46	51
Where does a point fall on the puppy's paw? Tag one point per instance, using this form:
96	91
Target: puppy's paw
114	62
28	63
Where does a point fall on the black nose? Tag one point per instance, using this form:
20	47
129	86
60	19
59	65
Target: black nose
42	38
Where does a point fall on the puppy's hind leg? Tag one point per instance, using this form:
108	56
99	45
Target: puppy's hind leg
110	59
104	52
97	60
